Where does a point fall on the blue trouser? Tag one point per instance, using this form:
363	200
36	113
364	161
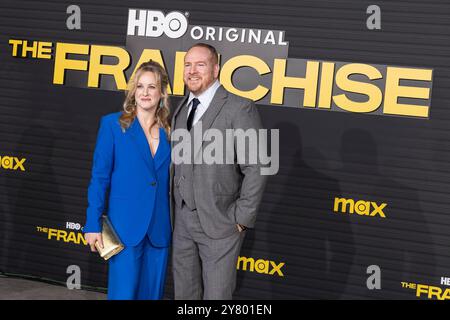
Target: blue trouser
138	273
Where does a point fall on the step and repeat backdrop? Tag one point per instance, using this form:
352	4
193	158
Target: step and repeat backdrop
358	203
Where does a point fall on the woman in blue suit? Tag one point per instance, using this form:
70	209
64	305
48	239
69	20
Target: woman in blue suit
131	160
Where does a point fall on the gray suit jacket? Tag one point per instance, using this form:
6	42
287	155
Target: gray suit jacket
225	194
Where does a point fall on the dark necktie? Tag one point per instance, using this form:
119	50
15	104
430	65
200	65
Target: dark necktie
195	103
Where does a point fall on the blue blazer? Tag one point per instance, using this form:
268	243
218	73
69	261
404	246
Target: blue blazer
138	184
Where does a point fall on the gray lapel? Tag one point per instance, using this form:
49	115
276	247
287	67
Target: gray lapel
214	108
177	110
175	114
207	119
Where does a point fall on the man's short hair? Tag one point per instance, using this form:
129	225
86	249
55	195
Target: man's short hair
212	50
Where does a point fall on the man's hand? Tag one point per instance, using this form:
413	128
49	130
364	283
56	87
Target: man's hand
241	227
92	238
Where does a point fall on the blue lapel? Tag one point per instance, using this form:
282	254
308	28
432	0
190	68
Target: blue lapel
138	137
163	149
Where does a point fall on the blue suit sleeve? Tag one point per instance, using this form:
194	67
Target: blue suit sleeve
102	166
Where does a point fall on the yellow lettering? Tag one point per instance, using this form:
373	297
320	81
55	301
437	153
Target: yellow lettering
44	50
81	239
344	202
178	82
370	90
246	261
434	291
26	48
61	235
62	63
378	209
446	295
262	266
309	83
326	85
51	233
421	288
15	44
394	90
362	208
277	268
117	71
7	162
226	75
72	237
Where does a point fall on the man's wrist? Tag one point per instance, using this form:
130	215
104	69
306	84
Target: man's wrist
242	226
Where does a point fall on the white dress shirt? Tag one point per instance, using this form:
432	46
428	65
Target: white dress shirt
205	100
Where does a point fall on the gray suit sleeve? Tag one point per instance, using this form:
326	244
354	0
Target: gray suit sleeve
253	184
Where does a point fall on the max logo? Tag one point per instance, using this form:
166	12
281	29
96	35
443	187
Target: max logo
361	207
260	266
12	163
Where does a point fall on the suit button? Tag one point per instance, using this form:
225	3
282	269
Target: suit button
153	183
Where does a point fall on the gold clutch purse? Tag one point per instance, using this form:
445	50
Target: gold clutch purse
111	242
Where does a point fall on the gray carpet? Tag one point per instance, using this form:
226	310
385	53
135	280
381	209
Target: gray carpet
19	289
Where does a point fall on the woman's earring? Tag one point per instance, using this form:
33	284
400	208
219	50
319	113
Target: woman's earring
161	104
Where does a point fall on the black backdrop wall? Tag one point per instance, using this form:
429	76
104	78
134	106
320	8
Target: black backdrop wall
400	161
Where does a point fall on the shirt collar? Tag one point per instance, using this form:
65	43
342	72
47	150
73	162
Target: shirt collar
206	97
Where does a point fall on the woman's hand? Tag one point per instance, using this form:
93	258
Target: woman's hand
92	238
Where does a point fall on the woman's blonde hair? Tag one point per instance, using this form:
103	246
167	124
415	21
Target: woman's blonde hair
162	110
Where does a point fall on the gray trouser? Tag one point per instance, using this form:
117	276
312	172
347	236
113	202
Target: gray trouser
202	267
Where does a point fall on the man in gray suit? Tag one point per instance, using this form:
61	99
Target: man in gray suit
212	204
